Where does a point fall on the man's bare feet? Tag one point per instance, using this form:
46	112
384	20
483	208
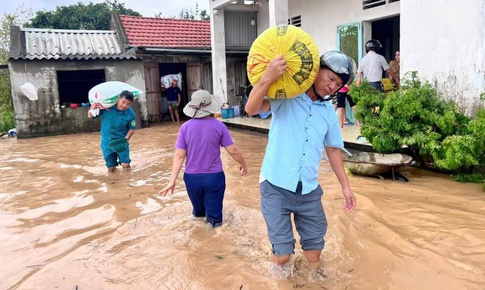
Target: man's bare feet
112	169
281	272
125	165
318	274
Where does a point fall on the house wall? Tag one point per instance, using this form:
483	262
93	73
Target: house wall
450	51
445	44
157	105
320	18
218	47
235	75
239	33
45	115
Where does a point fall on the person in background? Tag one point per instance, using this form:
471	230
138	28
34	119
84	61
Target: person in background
372	66
342	96
173	99
300	130
118	122
394	65
198	144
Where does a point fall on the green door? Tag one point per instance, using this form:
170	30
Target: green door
349	38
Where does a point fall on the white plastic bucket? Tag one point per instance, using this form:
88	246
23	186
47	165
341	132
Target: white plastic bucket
30	91
236	111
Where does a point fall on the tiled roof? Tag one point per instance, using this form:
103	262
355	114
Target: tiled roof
71	44
166	32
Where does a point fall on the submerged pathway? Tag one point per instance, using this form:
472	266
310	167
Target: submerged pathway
349	133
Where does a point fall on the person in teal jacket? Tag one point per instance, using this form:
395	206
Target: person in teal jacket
118	122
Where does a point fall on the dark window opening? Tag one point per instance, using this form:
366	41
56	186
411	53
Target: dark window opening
75	85
367	4
296	20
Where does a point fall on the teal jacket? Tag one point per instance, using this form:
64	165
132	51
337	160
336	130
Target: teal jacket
115	124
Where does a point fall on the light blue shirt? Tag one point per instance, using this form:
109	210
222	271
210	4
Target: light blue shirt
298	133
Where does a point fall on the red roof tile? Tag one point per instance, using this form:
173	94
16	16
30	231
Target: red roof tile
166	32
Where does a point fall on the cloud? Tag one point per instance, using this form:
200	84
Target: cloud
168	8
147	8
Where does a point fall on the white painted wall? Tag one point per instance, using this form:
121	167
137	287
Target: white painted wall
445	44
263	16
320	18
218	43
278	12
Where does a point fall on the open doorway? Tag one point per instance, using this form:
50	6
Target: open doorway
172	69
387	31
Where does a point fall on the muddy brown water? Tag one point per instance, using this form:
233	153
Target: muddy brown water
67	224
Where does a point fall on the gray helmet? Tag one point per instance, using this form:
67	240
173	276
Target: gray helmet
339	63
373	44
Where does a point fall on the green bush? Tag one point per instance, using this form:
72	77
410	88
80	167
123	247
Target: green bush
6	118
416	116
472	177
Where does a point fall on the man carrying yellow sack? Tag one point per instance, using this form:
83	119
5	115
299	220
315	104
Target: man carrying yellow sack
301	128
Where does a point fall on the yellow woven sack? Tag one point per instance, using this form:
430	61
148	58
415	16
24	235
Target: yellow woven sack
298	49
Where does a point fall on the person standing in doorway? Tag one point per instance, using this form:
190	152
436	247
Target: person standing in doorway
174	98
372	66
300	130
395	64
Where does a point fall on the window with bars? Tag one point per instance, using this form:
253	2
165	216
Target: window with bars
367	4
296	20
348	40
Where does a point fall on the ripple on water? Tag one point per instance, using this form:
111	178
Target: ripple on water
64	225
150	206
20	159
65	166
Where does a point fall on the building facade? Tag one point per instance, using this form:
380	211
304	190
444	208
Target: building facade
63	65
172	46
445	44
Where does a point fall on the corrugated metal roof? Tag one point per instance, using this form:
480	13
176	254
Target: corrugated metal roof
72	44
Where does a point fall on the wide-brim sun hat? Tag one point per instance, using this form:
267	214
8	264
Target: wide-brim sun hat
202	104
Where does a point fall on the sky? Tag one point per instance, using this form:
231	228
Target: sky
147	8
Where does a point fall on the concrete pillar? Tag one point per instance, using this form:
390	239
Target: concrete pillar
278	12
218	43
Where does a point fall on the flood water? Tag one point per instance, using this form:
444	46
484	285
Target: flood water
65	223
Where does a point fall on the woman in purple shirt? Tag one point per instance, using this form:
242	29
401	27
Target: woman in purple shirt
199	141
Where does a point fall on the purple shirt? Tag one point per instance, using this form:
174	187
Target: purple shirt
203	139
